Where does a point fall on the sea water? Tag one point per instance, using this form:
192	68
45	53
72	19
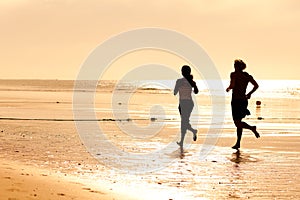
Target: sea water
25	99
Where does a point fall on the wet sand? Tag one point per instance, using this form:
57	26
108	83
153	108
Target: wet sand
19	181
45	159
264	168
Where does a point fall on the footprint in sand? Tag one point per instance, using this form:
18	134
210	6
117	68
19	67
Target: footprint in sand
13	190
93	191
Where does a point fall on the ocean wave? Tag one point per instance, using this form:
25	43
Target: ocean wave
268	88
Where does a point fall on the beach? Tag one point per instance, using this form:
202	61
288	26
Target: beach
44	154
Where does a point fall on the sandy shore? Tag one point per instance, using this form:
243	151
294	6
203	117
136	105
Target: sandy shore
55	165
20	181
45	159
35	168
28	170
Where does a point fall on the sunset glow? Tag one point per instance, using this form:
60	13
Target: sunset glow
50	39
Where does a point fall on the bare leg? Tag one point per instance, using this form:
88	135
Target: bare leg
255	132
189	126
240	124
186	108
239	132
180	143
194	131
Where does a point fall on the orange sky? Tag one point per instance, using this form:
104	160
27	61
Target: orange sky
49	39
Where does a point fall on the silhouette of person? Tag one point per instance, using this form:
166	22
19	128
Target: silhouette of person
238	83
185	87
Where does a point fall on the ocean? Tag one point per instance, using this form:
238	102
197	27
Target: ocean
275	96
150	100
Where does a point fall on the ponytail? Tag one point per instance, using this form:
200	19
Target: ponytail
186	73
189	78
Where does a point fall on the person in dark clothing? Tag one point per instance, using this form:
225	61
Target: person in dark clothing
238	83
185	87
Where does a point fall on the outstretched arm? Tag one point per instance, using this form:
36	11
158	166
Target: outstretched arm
255	86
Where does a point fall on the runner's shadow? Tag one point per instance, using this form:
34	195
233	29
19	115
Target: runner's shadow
181	155
180	152
177	153
236	157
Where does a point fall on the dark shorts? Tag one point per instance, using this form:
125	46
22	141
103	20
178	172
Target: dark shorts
239	108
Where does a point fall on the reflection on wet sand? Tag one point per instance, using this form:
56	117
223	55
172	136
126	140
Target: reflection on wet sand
239	157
